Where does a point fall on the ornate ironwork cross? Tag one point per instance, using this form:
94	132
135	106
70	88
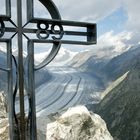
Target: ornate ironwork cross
46	32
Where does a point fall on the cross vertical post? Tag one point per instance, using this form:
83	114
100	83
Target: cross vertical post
31	90
20	70
10	90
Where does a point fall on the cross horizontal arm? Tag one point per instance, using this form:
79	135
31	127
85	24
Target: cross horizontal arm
87	30
4	17
27	30
63	22
63	42
75	33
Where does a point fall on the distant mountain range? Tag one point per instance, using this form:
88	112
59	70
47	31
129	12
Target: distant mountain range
106	68
62	58
41	76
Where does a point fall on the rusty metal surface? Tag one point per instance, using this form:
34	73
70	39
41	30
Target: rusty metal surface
46	34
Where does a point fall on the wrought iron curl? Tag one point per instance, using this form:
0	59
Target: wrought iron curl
14	97
2	28
60	31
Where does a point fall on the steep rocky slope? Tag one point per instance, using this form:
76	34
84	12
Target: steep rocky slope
3	113
89	62
4	129
75	124
120	108
121	64
3	118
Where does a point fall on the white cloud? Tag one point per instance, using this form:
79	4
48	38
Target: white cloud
91	10
95	10
114	43
109	44
111	39
132	8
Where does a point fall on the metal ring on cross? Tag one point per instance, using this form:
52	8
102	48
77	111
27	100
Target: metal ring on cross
53	11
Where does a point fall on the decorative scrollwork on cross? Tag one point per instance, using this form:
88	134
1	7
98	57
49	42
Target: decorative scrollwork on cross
46	31
2	28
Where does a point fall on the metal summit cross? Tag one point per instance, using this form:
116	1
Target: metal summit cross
46	31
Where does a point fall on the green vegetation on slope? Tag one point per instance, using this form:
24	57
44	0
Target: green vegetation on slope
121	108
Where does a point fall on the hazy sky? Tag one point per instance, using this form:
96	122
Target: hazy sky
118	22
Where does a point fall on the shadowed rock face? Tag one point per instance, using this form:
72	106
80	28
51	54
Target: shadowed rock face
75	124
4	129
121	108
78	124
3	119
3	113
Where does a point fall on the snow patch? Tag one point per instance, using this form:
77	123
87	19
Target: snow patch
75	110
62	58
114	84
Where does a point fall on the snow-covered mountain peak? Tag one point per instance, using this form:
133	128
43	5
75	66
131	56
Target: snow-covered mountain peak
15	52
2	48
64	54
62	58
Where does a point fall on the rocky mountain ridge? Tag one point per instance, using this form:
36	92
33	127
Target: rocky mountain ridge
3	118
104	68
120	107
